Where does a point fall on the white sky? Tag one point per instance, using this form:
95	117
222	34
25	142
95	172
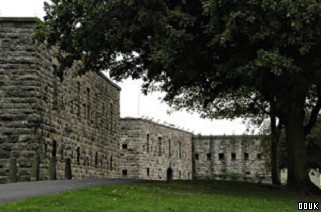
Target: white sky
130	96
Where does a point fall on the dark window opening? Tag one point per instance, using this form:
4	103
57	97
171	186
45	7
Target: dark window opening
221	156
78	99
54	148
124	172
124	146
147	138
111	118
179	150
88	106
196	156
46	148
147	170
78	155
159	146
259	156
169	148
180	174
233	156
96	158
209	156
247	172
111	163
246	156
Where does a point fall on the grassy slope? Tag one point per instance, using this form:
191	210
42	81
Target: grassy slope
160	196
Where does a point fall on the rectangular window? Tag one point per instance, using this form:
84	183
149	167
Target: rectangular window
196	156
159	146
96	158
259	156
78	100
147	140
221	156
147	171
246	156
124	146
169	148
111	118
209	156
233	156
54	149
124	172
78	155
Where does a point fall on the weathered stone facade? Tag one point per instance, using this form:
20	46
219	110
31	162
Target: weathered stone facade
52	129
231	157
155	151
43	119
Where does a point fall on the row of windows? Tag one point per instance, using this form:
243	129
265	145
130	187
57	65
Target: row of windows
125	173
160	143
78	156
221	156
89	113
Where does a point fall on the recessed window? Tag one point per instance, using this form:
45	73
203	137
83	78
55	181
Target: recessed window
54	148
259	156
78	155
247	172
221	156
246	156
209	156
147	140
124	146
196	156
147	171
124	172
233	156
96	158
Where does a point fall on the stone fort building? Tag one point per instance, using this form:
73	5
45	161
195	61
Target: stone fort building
52	129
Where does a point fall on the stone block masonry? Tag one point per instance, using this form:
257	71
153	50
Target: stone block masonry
40	116
231	158
53	129
154	151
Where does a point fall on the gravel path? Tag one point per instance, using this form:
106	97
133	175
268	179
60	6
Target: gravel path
18	191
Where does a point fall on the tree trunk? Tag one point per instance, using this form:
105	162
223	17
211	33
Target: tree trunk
298	178
275	171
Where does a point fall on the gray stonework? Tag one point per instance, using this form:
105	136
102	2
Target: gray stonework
231	158
42	116
43	119
149	149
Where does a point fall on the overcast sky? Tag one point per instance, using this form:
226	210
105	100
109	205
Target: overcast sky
132	102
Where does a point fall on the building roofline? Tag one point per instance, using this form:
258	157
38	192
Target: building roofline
152	122
101	74
226	136
19	19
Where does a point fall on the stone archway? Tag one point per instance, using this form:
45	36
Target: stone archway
169	175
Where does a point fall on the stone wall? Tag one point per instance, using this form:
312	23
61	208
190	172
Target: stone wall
231	157
19	97
42	117
149	149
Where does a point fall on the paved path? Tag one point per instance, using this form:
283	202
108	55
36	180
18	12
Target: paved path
18	191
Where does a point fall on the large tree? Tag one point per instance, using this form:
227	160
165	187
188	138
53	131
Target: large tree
216	48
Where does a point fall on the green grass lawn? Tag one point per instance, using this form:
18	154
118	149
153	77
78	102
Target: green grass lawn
160	196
